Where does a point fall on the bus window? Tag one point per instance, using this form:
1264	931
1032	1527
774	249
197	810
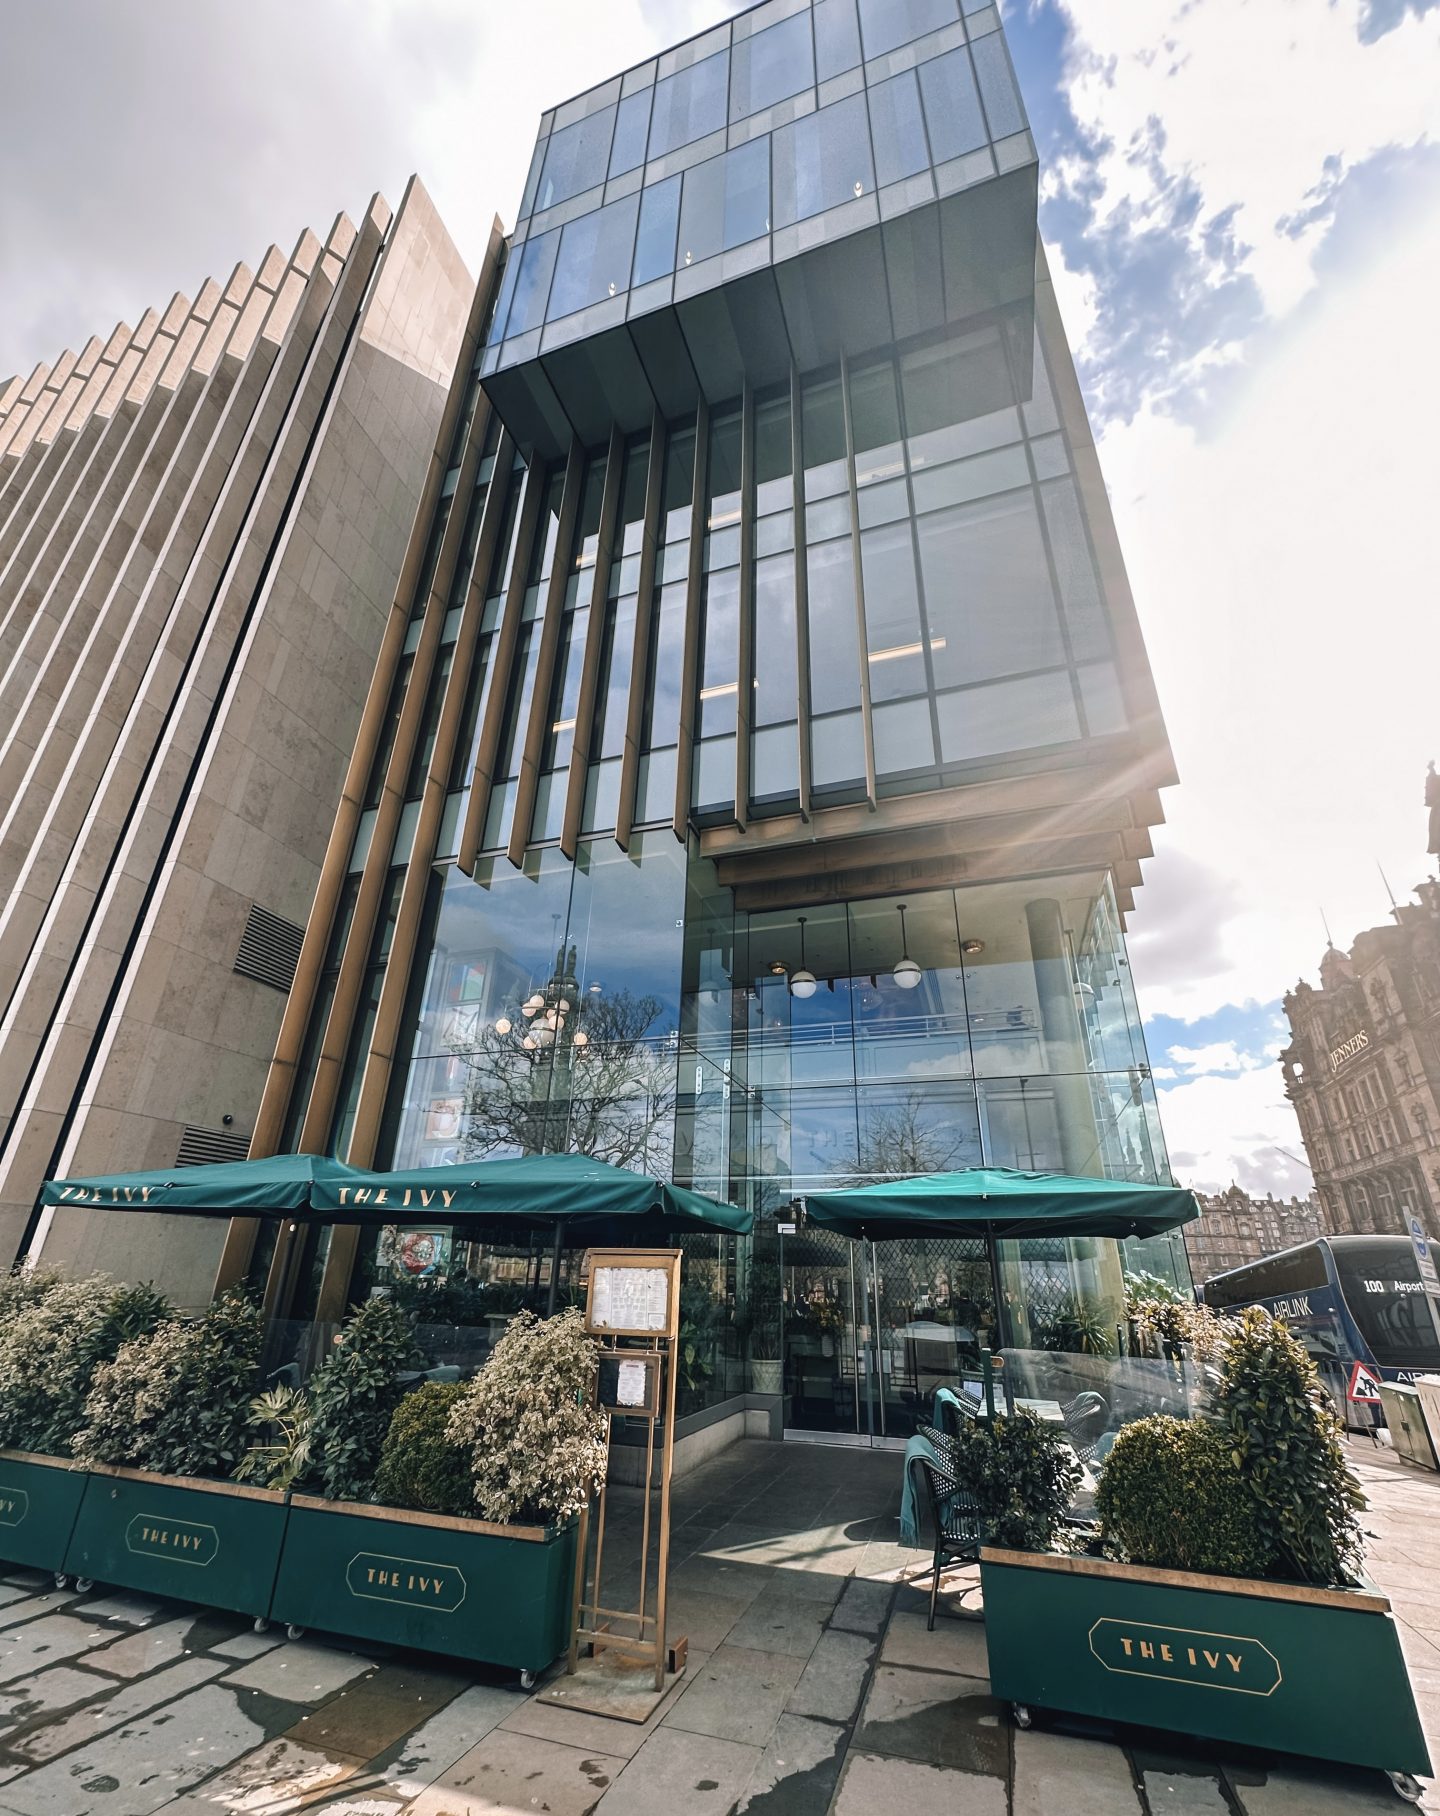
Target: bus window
1297	1270
1382	1289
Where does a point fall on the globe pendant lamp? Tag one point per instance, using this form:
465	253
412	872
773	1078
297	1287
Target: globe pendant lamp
907	973
802	983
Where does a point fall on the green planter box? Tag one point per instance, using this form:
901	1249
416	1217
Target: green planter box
1272	1665
500	1595
39	1499
212	1542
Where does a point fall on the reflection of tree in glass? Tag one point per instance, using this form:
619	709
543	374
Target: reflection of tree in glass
905	1138
612	1096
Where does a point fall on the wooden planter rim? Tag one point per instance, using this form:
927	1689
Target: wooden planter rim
412	1516
201	1484
39	1457
1355	1600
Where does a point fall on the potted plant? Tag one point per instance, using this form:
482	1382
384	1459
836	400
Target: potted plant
164	1426
764	1324
1229	1602
478	1562
54	1333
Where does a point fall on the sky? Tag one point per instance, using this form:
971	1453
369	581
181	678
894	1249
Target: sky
1240	201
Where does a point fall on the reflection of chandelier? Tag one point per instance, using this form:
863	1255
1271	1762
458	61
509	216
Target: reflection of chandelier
907	973
551	1015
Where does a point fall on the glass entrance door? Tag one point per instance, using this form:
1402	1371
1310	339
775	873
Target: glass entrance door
871	1330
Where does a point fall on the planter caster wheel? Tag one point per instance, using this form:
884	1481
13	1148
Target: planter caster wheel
84	1584
1407	1787
260	1625
294	1632
527	1680
61	1580
1023	1717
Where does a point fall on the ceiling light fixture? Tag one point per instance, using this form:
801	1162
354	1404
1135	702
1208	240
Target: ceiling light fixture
907	973
803	982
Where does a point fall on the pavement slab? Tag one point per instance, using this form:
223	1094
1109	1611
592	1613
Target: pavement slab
85	1724
515	1772
872	1784
411	1765
833	1680
862	1607
380	1709
43	1642
145	1650
780	1623
955	1645
1176	1794
276	1778
737	1695
1062	1775
936	1718
302	1671
696	1774
58	1688
797	1772
1298	1790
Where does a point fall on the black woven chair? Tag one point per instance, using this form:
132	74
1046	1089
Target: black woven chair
954	1515
1085	1418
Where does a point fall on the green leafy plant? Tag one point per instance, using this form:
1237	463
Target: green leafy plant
282	1458
177	1399
1076	1328
354	1394
55	1334
763	1317
1144	1288
24	1287
1023	1474
1286	1444
419	1465
536	1445
1172	1495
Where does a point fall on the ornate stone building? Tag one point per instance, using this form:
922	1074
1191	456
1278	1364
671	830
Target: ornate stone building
1236	1228
1363	1071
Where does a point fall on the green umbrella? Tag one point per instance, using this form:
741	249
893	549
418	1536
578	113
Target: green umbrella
281	1185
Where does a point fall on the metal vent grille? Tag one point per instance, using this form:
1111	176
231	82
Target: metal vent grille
202	1147
269	948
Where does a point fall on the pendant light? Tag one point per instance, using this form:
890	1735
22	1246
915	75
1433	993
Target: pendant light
802	983
907	973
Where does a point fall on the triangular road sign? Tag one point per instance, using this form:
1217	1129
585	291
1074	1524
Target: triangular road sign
1364	1385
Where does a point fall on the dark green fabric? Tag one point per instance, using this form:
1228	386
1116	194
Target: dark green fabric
283	1184
536	1189
1003	1204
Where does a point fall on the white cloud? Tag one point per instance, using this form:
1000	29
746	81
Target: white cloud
1217	1056
1237	1130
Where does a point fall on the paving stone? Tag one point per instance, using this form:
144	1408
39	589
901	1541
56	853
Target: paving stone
1060	1775
57	1688
936	1718
598	1733
273	1778
1324	1791
804	1585
131	1610
43	1642
137	1770
678	1774
15	1592
871	1784
737	1695
249	1645
31	1607
415	1762
302	1672
704	1619
720	1576
146	1650
515	1772
131	1700
780	1623
1175	1794
797	1771
833	1680
862	1606
379	1710
955	1645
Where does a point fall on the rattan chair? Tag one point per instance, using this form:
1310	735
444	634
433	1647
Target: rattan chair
954	1515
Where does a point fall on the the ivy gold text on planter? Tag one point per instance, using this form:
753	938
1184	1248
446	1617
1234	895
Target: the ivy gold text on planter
39	1499
378	1578
181	1541
14	1505
1219	1661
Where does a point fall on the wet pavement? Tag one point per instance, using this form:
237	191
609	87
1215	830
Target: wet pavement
812	1687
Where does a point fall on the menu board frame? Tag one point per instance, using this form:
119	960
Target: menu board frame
600	1261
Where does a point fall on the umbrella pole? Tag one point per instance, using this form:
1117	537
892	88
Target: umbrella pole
992	1250
553	1293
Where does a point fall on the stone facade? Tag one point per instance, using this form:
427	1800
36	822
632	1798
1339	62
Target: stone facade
202	528
1363	1071
1236	1228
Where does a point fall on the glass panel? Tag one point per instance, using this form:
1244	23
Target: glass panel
1008	715
667	644
1104	702
837	38
885	24
875	423
952	107
892	613
823	426
632	123
537	262
948	384
772	453
715	772
726	202
999	471
900	148
1075	567
997	85
575	159
771	66
720	633
774	762
987	590
837	750
775	688
834	648
903	738
655	241
821	161
594	260
689	104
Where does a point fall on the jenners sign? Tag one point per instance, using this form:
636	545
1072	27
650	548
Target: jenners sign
1348	1050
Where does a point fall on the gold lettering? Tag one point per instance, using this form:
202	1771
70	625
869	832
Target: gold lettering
1212	1659
446	1198
1129	1646
145	1194
362	1194
370	1574
439	1584
425	1198
404	1202
381	1196
1167	1656
344	1194
1190	1654
1146	1649
1233	1662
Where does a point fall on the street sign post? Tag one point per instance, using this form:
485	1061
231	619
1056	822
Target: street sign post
1425	1261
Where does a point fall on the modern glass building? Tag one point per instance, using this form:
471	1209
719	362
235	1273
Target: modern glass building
763	747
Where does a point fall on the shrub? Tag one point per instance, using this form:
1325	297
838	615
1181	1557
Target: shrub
1171	1495
176	1399
281	1459
1286	1443
1076	1328
536	1446
1022	1472
419	1465
56	1334
354	1394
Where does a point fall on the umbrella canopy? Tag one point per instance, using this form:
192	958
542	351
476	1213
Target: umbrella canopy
1002	1204
539	1188
283	1184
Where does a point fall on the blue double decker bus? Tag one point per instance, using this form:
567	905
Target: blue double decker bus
1348	1299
